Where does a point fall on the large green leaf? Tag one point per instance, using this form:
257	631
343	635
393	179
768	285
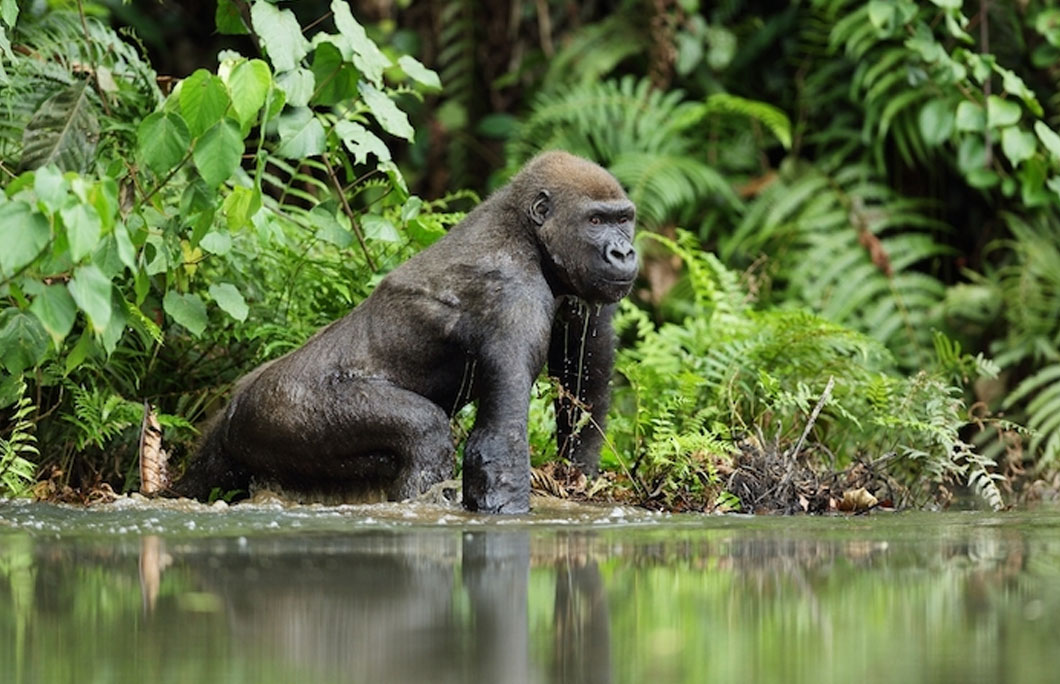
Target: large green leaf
56	310
9	12
379	228
366	54
230	300
116	325
361	142
240	206
126	250
162	140
301	134
297	85
392	119
280	35
419	73
103	196
216	242
228	19
249	83
83	229
936	121
23	340
218	152
1018	145
329	229
91	290
337	78
1000	113
1049	138
203	101
24	233
970	116
63	131
51	187
187	310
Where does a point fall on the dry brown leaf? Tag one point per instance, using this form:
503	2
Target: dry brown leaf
857	500
153	458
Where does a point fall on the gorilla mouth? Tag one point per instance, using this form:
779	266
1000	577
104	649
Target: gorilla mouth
614	289
625	281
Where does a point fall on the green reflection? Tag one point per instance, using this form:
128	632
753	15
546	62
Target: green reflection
333	596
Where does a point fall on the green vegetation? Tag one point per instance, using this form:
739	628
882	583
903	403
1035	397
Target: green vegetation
849	215
165	245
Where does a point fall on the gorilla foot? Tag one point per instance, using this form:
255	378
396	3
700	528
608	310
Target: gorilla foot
504	496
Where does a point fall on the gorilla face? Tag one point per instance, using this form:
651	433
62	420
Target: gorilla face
589	241
610	264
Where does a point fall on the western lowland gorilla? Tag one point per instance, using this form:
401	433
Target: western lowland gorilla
532	275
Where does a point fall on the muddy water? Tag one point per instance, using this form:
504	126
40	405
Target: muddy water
135	592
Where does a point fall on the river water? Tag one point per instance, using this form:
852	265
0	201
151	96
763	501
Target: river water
142	592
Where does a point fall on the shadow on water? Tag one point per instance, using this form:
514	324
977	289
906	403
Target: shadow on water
376	595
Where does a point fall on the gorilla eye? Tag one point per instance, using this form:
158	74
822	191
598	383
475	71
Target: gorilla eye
595	220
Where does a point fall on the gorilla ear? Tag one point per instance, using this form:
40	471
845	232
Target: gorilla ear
540	208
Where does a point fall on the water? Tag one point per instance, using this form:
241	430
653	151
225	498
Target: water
142	593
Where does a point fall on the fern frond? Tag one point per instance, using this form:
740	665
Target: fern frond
851	249
594	51
604	120
19	448
661	185
1030	289
1041	394
768	115
644	136
716	290
100	415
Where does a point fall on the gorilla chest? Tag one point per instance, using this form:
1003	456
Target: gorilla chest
451	353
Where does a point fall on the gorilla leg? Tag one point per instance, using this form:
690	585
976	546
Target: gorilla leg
212	470
347	435
581	357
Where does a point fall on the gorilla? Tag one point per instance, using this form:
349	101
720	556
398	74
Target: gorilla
531	276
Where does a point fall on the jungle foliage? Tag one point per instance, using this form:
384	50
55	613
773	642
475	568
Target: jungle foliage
837	198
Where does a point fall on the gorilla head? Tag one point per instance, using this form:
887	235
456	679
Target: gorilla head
530	276
585	224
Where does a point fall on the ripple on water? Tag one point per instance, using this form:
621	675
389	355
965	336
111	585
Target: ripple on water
135	515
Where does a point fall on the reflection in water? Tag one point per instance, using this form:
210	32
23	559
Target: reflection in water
911	599
386	607
582	630
153	560
380	609
496	572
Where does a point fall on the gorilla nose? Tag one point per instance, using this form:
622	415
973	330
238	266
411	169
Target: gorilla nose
620	254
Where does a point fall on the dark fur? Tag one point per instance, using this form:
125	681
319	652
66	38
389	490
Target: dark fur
527	277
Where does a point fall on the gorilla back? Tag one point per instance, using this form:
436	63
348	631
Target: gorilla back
530	277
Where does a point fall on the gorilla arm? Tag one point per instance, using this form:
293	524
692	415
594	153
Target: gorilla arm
497	454
581	356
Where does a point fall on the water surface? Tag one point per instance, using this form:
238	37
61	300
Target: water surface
138	592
